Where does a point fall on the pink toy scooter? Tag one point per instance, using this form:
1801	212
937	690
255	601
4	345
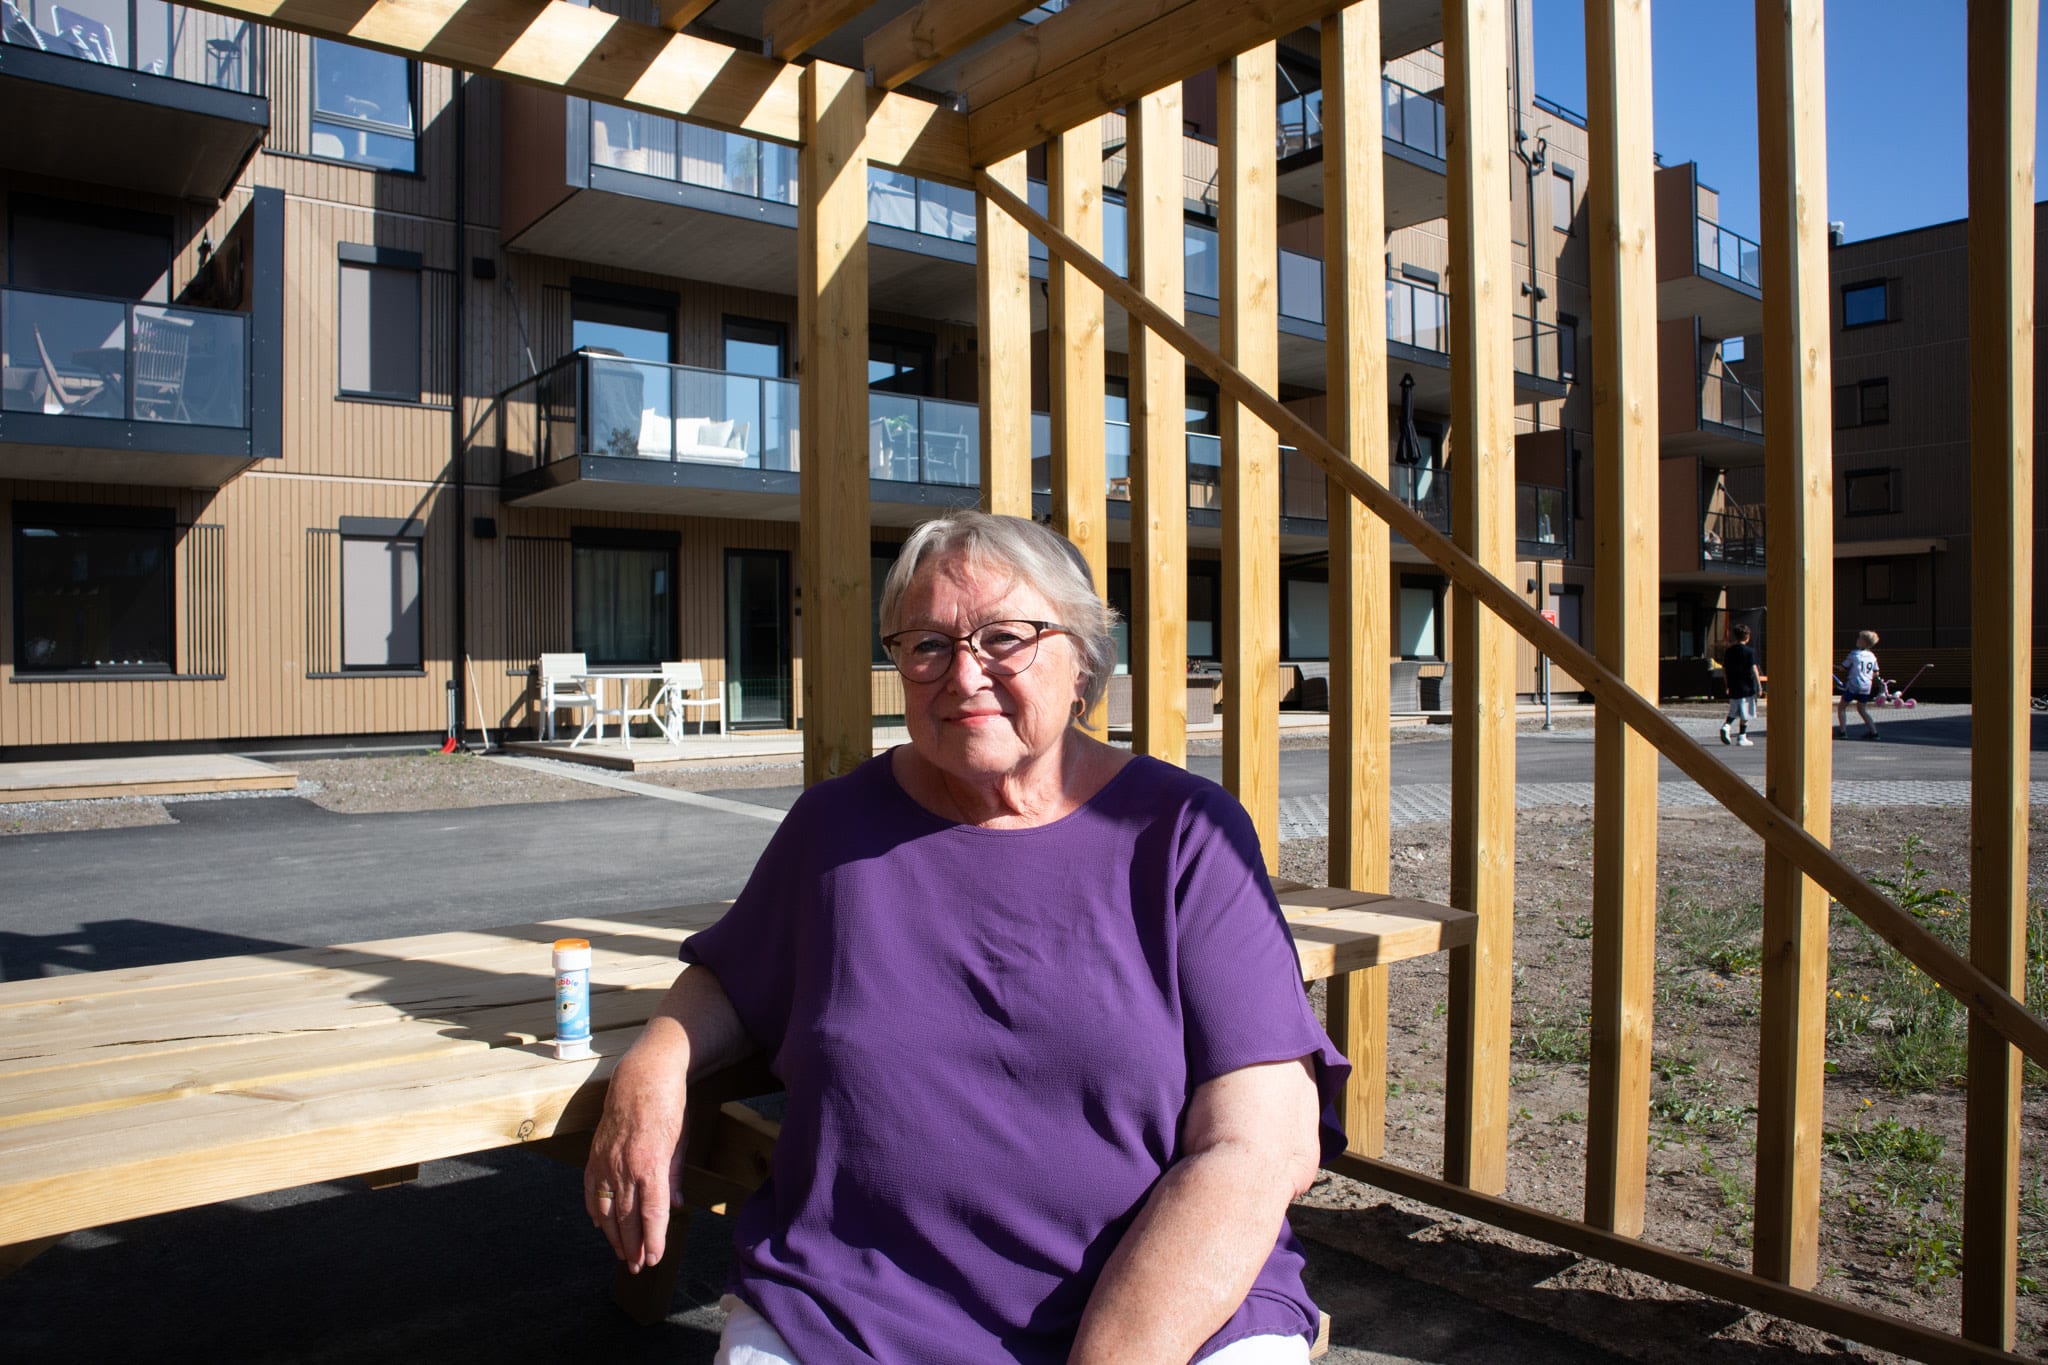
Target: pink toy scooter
1896	696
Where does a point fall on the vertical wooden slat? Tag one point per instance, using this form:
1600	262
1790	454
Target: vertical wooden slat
1482	517
2003	35
832	313
1159	461
1248	231
1073	174
1623	218
1003	283
1792	180
1354	310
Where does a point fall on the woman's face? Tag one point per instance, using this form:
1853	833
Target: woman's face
970	725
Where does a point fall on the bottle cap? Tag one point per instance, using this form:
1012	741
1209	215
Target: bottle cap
572	954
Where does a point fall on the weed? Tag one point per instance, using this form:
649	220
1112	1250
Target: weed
1578	926
1729	941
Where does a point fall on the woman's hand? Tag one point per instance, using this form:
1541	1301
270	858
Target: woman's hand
636	1155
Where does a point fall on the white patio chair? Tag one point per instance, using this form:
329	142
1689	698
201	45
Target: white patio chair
563	686
683	689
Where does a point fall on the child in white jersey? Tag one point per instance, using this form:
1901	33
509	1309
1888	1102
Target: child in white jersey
1859	680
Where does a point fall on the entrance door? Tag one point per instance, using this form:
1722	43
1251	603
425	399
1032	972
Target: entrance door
757	677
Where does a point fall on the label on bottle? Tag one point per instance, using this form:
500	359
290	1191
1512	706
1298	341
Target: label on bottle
572	1013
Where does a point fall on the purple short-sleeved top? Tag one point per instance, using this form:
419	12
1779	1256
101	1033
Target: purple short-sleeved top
990	1038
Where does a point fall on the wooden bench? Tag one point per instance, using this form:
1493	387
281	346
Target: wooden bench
152	1089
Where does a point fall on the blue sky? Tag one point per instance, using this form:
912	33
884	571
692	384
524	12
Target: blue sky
1896	115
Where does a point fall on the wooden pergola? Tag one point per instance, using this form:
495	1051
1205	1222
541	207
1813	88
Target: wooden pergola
1048	86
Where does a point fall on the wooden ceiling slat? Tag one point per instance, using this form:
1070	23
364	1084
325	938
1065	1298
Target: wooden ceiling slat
792	27
677	13
592	55
1171	47
924	35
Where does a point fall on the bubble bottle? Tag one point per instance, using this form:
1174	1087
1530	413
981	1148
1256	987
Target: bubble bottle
572	998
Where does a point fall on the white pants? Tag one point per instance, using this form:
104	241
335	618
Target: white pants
749	1340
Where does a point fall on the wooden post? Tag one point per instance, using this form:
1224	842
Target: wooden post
1247	224
1002	273
832	398
1799	489
1080	494
1623	217
1354	311
1159	444
1482	649
2002	39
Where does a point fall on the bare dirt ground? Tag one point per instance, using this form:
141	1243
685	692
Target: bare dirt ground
1891	1174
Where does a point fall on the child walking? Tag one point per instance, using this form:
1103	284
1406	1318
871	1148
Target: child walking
1738	666
1859	680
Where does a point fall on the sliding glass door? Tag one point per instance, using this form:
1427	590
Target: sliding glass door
757	675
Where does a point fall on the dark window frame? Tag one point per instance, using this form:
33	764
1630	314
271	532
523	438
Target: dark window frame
1890	475
1883	285
1901	581
316	117
1563	174
353	256
1567	356
629	538
361	533
731	323
161	521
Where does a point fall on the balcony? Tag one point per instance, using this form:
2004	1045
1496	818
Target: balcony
1706	406
1419	344
1733	538
596	431
1413	147
174	97
608	185
108	390
1704	270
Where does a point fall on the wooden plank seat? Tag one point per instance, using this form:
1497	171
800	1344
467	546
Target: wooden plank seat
151	1089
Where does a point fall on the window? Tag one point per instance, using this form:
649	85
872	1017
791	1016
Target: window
622	596
75	248
379	336
92	589
1866	304
756	348
380	601
899	362
1205	598
1864	404
1305	607
881	559
362	106
1419	630
1733	349
1888	582
1868	492
634	329
1120	603
1561	198
1567	346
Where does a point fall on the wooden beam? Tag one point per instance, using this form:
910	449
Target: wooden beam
1622	213
1002	273
1067	36
924	35
1080	490
1247	230
1862	1325
832	395
1159	444
1361	569
592	55
1984	998
2003	38
790	28
1171	47
675	15
1798	486
1483	523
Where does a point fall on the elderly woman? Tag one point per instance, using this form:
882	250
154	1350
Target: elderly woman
1052	1076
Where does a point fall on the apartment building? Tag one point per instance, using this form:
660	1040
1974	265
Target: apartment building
335	381
1903	534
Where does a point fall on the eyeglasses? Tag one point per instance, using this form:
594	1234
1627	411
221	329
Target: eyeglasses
1002	648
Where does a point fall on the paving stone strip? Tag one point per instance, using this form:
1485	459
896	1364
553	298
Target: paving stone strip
598	778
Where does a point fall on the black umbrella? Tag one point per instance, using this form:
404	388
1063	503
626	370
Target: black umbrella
1407	445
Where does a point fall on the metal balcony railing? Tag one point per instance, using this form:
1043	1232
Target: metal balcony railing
1729	253
1726	401
87	357
1733	537
1543	522
145	35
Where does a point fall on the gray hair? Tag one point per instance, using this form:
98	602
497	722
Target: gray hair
1030	553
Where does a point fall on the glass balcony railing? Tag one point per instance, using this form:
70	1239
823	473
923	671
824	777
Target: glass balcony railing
594	404
1420	316
74	355
1543	523
1733	537
1407	117
143	35
1726	401
1729	253
923	440
1426	489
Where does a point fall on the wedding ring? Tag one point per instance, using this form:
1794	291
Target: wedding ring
604	1191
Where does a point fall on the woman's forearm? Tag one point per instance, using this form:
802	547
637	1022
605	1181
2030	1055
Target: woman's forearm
1188	1261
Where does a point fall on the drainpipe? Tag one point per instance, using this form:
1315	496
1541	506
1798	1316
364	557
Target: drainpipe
458	664
1532	166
